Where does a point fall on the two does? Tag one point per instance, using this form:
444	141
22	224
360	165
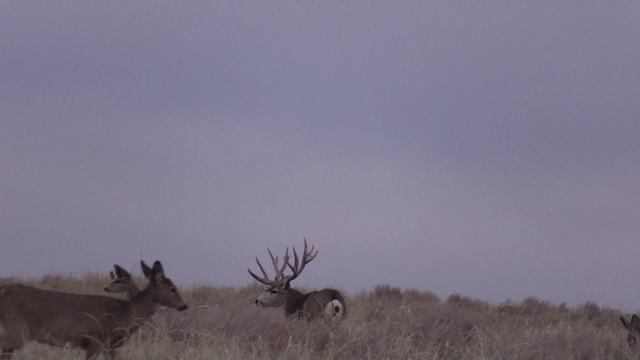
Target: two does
97	324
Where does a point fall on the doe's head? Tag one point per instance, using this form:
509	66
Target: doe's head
163	288
121	282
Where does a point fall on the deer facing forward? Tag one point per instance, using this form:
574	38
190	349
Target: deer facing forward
122	282
327	302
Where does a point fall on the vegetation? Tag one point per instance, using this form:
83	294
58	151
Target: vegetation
386	323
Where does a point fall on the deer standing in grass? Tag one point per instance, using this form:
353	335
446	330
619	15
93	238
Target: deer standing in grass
97	324
122	282
633	329
327	302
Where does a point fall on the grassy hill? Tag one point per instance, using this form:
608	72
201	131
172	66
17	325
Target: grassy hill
386	323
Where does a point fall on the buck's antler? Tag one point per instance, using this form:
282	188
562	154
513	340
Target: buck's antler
279	270
307	256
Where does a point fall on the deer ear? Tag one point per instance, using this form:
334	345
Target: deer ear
120	271
635	322
287	284
146	270
112	275
158	272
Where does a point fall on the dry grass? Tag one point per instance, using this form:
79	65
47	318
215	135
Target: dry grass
386	323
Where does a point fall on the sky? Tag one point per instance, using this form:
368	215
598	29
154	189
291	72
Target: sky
489	149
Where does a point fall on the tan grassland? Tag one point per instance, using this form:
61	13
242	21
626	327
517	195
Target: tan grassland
386	323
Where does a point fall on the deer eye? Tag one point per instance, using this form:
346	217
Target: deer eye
273	292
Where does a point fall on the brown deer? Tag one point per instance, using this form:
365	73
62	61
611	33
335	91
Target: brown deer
327	302
122	282
633	330
97	324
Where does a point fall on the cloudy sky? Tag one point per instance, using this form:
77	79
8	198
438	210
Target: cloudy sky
491	149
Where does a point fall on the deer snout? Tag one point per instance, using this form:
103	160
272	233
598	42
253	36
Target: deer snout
258	302
106	288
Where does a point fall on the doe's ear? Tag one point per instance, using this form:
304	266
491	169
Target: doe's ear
158	271
112	275
624	322
120	271
635	322
146	270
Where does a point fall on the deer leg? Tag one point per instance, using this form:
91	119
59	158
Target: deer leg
8	344
6	348
93	349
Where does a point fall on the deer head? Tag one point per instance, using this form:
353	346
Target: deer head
122	282
279	288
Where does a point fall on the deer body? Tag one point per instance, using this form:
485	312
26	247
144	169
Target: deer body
56	318
90	322
327	303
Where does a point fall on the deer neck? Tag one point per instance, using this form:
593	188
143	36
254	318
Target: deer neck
144	304
293	302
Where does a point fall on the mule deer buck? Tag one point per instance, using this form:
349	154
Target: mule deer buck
633	329
327	302
94	323
122	282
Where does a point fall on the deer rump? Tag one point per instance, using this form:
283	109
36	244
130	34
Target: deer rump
327	302
57	318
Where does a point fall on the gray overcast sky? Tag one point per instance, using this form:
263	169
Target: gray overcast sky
488	149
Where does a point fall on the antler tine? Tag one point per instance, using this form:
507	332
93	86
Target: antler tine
311	257
279	270
265	278
307	257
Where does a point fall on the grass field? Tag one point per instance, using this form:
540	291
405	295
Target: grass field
386	323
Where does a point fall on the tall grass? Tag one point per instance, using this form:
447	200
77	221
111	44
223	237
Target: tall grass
386	323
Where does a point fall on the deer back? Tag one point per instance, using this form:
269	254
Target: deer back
55	318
